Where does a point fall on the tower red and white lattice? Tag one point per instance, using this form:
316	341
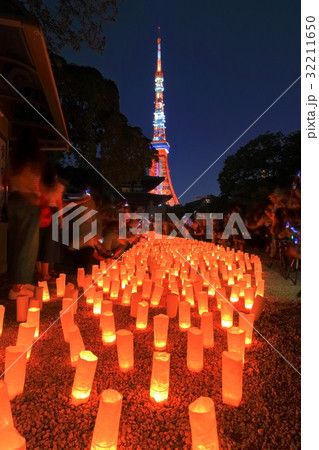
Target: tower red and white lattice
161	168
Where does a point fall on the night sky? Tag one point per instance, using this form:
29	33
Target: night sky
224	63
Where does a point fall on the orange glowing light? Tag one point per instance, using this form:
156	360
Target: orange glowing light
202	299
33	317
202	419
97	304
226	314
232	378
6	420
90	294
157	295
108	328
15	365
10	438
184	315
46	293
106	428
84	376
147	289
60	286
171	305
160	376
260	288
80	276
125	350
76	344
67	322
22	303
236	341
106	284
114	291
249	296
126	298
189	294
234	296
25	337
142	315
206	325
135	299
161	322
246	323
220	296
195	350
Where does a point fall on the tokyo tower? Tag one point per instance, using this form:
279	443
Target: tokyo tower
161	168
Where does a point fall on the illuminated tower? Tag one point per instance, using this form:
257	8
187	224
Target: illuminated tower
160	168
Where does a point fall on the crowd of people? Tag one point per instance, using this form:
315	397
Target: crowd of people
35	193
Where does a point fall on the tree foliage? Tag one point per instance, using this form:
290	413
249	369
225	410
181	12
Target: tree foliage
96	126
73	22
268	162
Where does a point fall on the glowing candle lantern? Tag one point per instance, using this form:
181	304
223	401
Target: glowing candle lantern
246	323
189	294
236	341
95	270
232	378
97	305
206	325
226	314
76	344
38	294
258	306
11	439
15	365
212	287
220	296
160	376
99	279
67	304
231	280
22	307
6	420
125	350
171	305
68	290
195	350
157	295
67	322
224	272
90	294
184	315
124	280
80	276
258	276
46	293
202	299
2	310
126	298
108	328
106	284
25	337
60	286
106	428
103	267
87	283
142	315
160	331
84	375
134	285
234	296
247	278
249	297
202	419
34	318
106	305
147	289
260	288
114	291
242	287
135	300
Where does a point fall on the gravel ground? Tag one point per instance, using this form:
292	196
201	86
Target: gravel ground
267	418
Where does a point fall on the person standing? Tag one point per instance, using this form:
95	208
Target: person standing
23	212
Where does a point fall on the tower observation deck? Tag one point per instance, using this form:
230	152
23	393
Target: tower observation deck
161	168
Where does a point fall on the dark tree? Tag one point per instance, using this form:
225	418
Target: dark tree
96	127
73	22
268	162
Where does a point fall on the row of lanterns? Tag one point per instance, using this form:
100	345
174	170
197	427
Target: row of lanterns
139	281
